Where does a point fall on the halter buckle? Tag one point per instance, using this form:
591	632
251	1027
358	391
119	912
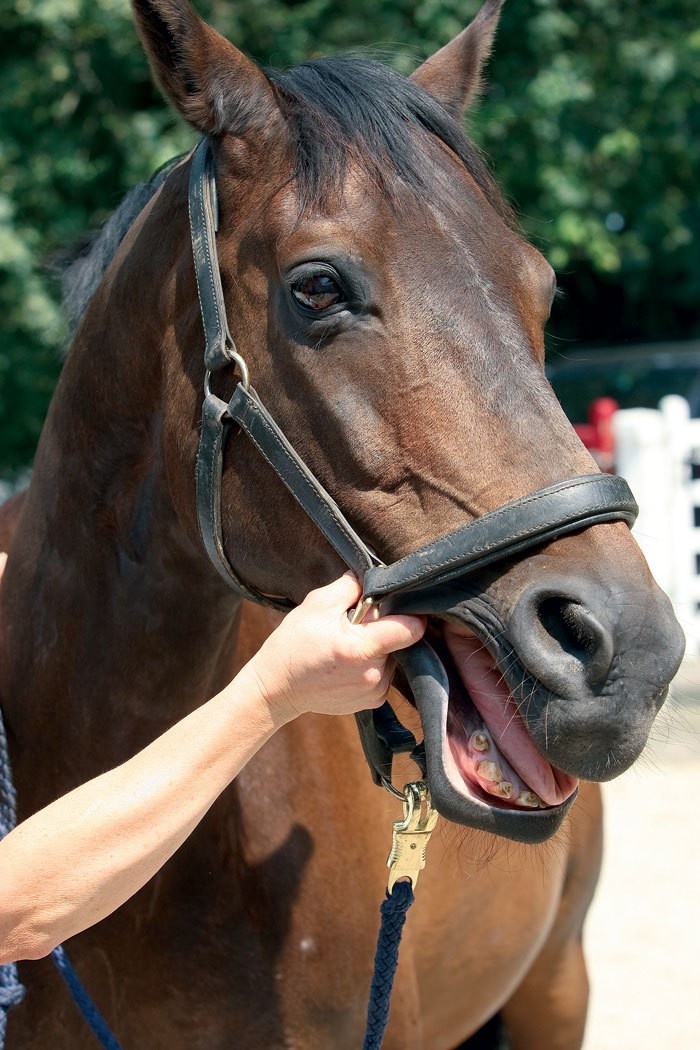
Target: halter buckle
364	605
411	835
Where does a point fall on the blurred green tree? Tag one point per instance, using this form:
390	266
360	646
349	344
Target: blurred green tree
591	118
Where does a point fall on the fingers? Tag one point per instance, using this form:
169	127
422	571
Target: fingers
386	635
3	562
379	637
338	596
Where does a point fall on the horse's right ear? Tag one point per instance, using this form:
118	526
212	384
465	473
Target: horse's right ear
212	84
453	74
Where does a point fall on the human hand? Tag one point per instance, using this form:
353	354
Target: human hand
3	563
316	660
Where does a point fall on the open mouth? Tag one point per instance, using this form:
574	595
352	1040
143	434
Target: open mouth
484	769
489	743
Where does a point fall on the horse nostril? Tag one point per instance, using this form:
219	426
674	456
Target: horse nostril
577	632
565	621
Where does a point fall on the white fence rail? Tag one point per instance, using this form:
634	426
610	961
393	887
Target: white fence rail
658	452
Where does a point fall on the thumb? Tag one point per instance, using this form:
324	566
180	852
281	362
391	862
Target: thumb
389	633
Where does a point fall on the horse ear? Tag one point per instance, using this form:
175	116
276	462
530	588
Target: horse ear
211	83
453	74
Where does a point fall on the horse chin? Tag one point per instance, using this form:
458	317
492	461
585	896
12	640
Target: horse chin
484	770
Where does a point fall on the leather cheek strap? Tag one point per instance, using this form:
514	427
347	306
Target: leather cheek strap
247	411
203	214
210	462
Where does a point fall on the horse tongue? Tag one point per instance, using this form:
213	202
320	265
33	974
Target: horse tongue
489	694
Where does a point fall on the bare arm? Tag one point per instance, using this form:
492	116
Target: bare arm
80	858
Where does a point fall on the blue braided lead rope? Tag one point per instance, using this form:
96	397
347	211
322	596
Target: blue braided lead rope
82	1000
393	911
8	795
11	994
11	990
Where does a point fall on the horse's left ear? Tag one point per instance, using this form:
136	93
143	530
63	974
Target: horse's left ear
453	74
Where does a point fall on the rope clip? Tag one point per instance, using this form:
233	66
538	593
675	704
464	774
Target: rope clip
411	835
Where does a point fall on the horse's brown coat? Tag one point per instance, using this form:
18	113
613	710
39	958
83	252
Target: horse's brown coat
432	407
267	917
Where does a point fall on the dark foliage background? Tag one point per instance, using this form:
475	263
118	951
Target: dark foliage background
591	120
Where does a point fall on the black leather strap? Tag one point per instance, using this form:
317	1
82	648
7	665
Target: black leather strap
203	227
538	518
246	409
216	424
383	736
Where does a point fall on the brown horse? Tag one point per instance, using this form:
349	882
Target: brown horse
392	318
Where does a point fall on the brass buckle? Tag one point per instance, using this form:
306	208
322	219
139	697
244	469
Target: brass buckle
358	614
412	834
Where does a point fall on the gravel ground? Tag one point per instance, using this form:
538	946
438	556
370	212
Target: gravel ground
643	933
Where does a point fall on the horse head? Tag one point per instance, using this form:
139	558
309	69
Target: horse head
391	316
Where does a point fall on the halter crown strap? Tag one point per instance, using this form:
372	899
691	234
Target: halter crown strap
246	411
219	351
204	222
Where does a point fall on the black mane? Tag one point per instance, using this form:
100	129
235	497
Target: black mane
345	108
80	268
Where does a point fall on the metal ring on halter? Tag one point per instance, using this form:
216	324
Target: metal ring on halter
392	790
237	360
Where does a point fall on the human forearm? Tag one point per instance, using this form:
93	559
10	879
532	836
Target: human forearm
74	862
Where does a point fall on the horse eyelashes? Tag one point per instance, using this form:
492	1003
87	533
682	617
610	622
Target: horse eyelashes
317	292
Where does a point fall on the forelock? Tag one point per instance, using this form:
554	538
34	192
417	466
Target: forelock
347	110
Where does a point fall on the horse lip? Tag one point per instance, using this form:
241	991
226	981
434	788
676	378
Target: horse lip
428	682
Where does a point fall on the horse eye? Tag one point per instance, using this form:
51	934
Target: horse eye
317	291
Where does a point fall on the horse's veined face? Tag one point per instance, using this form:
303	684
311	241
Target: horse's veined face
411	332
392	322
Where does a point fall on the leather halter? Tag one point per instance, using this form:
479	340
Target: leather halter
530	521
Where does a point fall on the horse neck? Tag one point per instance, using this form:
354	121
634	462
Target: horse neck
110	605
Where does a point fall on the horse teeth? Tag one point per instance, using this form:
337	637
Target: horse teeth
529	799
490	771
504	789
480	742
